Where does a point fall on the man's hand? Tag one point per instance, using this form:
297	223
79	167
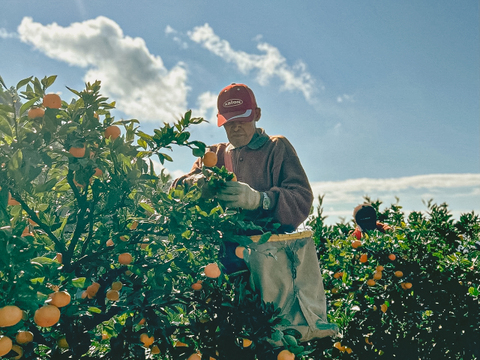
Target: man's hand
238	194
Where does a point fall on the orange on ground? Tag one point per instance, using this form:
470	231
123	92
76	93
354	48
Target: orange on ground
112	132
47	316
371	282
125	258
380	268
5	345
34	113
77	151
338	275
384	308
209	159
10	315
18	349
12	201
212	271
24	337
246	342
52	101
62	343
60	299
155	350
377	275
392	257
197	286
117	285
398	274
146	340
363	258
110	242
285	355
356	244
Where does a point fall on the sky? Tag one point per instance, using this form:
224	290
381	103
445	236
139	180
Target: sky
379	98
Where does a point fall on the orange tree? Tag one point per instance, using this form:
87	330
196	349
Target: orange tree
411	293
98	258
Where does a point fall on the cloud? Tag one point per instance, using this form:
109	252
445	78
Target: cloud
207	107
271	64
140	83
4	34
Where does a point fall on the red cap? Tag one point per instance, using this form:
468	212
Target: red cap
236	102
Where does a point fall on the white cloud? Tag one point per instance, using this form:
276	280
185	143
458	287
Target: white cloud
271	64
207	107
140	83
4	34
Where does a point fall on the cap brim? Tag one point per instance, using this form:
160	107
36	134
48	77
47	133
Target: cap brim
236	116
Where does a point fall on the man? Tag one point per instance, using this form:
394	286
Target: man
271	183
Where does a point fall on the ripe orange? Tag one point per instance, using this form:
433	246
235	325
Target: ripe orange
392	257
5	345
348	350
212	271
52	101
155	350
77	152
47	316
338	275
246	342
377	275
371	282
180	344
92	290
380	268
12	201
24	337
62	343
60	299
10	315
112	132
356	244
285	355
34	113
123	238
234	178
125	258
146	340
18	349
209	159
112	295
239	251
194	357
197	286
363	258
110	242
406	285
398	274
117	285
98	172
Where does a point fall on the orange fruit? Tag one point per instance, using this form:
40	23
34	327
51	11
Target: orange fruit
112	295
92	290
52	101
18	349
60	299
123	238
384	308
62	343
112	132
338	275
285	355
110	242
356	244
392	257
59	257
239	251
143	321
209	159
24	337
125	258
155	350
47	316
379	268
194	357
197	286
180	344
12	201
146	340
398	274
377	275
348	350
10	315
246	342
406	285
34	113
371	282
5	345
98	172
77	152
117	285
234	178
212	271
363	258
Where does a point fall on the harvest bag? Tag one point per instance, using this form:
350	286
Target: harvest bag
286	272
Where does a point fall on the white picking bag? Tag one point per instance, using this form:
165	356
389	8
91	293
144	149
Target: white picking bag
285	270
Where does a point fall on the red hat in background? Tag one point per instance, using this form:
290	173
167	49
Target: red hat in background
236	102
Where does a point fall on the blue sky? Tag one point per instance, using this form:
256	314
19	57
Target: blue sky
379	98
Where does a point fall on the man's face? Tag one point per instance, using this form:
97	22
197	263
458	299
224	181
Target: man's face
240	133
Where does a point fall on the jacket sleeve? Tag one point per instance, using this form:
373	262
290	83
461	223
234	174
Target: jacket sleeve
292	196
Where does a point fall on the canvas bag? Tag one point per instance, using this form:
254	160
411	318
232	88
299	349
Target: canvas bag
285	270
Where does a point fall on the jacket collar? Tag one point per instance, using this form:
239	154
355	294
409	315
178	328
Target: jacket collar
259	138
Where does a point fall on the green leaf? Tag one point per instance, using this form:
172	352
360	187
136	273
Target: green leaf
46	186
2	82
79	282
43	260
49	81
264	238
23	82
94	309
5	126
16	160
27	105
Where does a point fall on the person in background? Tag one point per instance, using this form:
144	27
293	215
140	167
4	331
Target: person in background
365	218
